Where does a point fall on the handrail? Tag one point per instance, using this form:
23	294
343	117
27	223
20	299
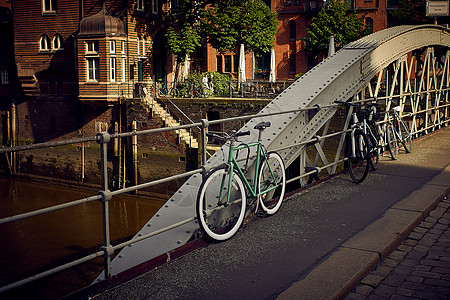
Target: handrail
105	195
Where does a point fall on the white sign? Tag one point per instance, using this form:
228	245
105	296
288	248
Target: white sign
437	8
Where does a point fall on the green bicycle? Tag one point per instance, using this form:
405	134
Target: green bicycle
222	199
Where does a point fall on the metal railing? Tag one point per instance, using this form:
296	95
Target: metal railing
105	195
257	89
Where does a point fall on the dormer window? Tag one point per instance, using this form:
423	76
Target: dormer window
44	44
57	43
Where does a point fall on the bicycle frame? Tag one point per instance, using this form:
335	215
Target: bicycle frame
233	165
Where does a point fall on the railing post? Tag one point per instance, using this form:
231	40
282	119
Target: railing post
205	124
104	138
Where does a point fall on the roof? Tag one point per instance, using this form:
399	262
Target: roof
101	24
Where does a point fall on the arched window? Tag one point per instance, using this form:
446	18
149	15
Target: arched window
44	43
369	25
292	31
57	42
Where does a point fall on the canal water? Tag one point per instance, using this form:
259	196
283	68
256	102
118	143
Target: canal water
38	243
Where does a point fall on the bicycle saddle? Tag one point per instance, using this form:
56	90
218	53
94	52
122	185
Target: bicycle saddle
262	125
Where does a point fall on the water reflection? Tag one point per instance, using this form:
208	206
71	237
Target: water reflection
33	245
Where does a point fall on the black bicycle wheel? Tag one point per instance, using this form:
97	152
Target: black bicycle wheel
392	141
406	137
358	163
375	148
220	205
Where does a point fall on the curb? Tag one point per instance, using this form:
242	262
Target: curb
341	271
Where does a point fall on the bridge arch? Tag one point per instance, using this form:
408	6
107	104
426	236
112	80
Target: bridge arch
405	64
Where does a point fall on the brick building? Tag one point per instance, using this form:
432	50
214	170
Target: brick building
294	16
74	68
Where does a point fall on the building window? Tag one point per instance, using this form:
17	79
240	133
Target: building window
219	63
155	5
122	48
227	63
287	2
369	25
123	69
141	47
292	31
351	4
235	63
140	5
112	47
91	47
292	63
93	69
262	66
4	77
92	61
58	43
297	2
48	6
44	44
112	67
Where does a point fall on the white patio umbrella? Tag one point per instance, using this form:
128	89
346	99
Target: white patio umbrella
272	66
331	49
241	75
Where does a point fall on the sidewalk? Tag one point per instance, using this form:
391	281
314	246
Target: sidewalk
321	243
419	268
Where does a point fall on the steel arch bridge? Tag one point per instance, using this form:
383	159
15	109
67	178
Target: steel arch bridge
405	65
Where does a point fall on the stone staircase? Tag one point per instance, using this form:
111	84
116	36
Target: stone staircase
169	121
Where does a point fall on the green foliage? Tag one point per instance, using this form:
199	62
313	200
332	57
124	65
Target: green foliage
184	36
228	24
221	84
337	20
410	12
297	76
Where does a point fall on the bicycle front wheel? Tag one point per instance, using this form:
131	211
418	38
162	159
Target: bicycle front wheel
271	182
375	148
392	141
359	163
406	137
221	204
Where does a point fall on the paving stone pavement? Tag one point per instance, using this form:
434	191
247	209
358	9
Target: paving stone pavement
420	266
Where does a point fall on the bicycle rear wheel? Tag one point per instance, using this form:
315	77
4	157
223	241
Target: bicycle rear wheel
406	137
392	141
359	164
271	182
221	204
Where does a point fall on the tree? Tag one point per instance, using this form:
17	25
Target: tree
337	20
225	23
230	23
184	36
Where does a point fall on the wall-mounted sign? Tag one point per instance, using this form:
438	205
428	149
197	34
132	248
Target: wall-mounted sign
437	8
